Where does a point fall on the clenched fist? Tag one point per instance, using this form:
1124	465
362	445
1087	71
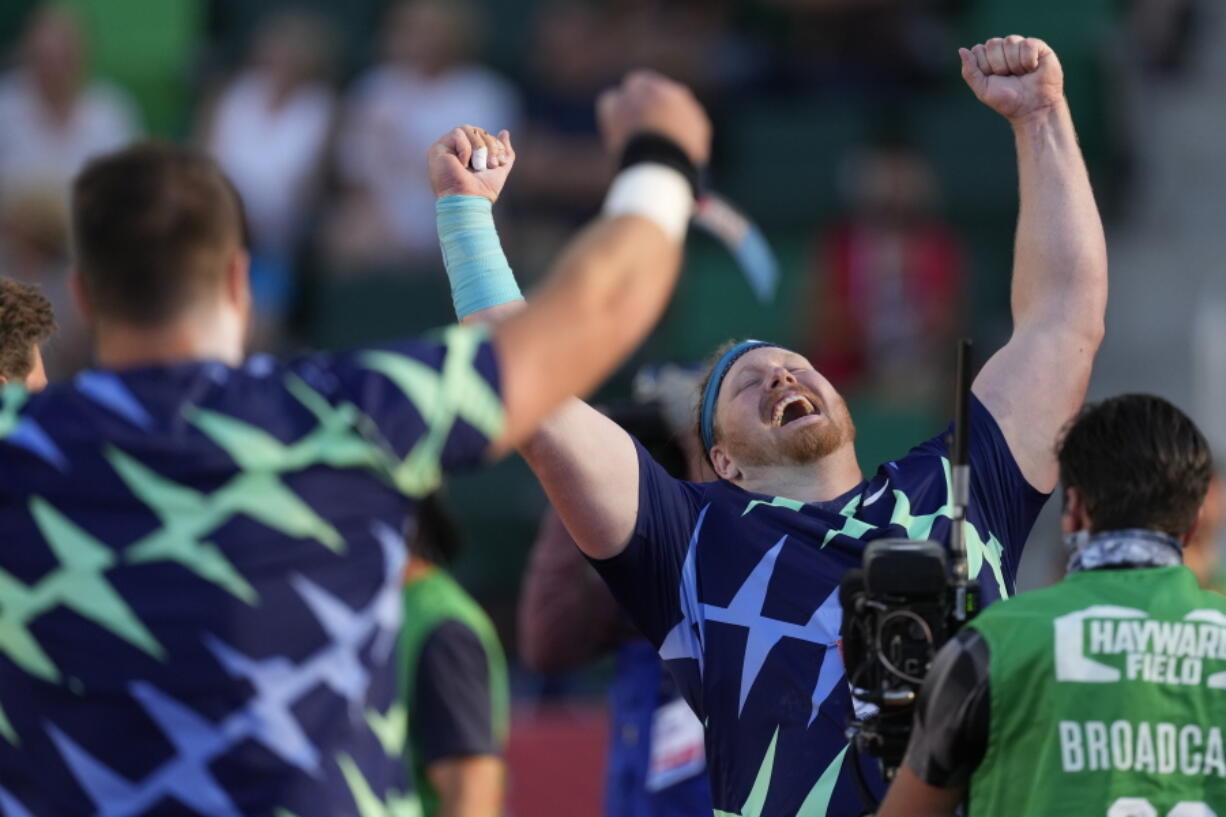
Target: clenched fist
468	161
647	101
1014	76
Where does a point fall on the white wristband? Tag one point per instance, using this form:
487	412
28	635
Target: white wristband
653	191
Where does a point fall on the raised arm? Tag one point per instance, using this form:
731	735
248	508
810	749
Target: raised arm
1037	382
607	290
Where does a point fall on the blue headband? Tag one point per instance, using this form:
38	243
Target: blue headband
711	394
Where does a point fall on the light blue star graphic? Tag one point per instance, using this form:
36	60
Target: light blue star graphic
686	639
279	684
29	435
745	610
107	390
11	807
268	718
186	777
23	431
828	619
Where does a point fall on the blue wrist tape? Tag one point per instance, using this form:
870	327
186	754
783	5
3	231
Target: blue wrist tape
479	273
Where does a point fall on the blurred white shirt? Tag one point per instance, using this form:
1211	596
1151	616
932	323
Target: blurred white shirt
393	117
273	156
40	156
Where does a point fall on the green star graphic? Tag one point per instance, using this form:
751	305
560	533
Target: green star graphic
391	729
14	397
187	516
978	550
77	583
7	730
441	398
777	502
851	526
368	803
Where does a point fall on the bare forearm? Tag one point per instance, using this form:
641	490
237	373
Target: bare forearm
468	786
1060	265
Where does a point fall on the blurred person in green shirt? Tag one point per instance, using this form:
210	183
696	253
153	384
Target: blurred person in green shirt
454	681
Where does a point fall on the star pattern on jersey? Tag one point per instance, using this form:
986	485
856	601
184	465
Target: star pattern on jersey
777	502
441	398
185	777
108	390
745	610
187	516
78	582
979	551
686	639
10	806
24	432
267	718
370	804
850	526
391	729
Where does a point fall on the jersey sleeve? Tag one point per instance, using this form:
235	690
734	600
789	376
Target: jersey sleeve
431	405
451	714
950	735
1003	496
646	578
1003	504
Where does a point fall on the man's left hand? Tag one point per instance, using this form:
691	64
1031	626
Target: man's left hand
1015	76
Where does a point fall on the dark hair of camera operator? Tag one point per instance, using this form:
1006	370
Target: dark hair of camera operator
1135	472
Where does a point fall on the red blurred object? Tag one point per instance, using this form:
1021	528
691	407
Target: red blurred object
556	760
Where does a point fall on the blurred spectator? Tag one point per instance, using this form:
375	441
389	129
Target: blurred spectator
880	46
694	41
1162	30
891	279
567	617
53	119
425	85
571	59
269	131
455	681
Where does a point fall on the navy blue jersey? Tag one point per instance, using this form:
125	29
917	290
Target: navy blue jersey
739	592
200	576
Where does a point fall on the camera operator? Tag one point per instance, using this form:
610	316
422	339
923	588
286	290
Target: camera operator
1102	694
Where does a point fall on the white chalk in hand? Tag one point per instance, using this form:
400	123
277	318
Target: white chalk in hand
480	159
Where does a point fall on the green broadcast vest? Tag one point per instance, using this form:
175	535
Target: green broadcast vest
1108	699
429	600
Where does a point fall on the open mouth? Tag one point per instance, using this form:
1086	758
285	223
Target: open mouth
792	408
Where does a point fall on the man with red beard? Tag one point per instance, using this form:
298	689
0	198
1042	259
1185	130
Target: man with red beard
736	581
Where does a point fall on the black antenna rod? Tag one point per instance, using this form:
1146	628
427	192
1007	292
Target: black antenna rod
960	477
962	407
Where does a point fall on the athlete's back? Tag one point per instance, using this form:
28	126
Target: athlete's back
199	584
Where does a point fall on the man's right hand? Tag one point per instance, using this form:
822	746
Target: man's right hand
647	101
